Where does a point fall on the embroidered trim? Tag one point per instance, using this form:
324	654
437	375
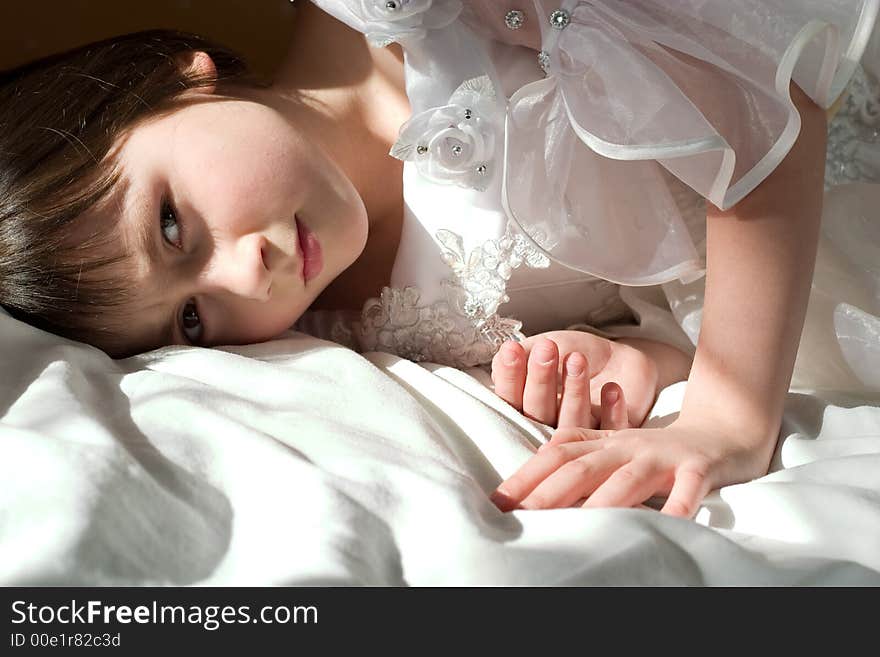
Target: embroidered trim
464	329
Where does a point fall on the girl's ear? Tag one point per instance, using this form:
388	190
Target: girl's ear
198	63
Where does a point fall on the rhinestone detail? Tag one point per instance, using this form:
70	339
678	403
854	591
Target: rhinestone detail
421	149
514	19
456	150
467	113
391	5
482	169
559	19
544	61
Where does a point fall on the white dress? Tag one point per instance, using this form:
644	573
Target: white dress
560	154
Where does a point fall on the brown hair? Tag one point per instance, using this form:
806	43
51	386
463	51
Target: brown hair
59	118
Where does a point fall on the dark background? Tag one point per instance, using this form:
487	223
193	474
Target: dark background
257	29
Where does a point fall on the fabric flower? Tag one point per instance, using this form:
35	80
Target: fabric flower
455	143
387	21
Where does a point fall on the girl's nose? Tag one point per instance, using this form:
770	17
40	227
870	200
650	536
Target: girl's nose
241	267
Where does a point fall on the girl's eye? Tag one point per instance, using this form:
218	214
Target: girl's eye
190	323
169	225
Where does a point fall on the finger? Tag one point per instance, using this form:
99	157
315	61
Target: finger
517	487
614	413
574	480
509	373
629	485
690	487
541	388
574	408
575	435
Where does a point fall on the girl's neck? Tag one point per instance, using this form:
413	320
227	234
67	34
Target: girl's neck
351	99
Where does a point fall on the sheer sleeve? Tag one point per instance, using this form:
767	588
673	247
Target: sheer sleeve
638	91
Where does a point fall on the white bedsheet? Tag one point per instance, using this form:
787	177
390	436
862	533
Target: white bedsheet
301	462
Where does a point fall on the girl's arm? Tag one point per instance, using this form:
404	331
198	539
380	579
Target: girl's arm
760	263
760	258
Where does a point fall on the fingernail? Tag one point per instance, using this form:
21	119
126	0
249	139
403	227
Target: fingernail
544	354
502	499
611	395
509	354
575	364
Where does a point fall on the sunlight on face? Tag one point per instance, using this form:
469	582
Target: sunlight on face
236	220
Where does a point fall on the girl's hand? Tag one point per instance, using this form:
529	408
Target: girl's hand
683	461
576	379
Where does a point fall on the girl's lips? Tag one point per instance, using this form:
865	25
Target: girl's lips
313	261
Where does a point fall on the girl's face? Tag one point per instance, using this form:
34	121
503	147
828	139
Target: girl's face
236	221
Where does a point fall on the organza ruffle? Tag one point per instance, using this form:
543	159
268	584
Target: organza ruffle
638	90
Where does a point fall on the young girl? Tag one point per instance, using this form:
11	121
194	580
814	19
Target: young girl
150	195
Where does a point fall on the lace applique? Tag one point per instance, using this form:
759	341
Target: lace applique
464	329
854	135
341	333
